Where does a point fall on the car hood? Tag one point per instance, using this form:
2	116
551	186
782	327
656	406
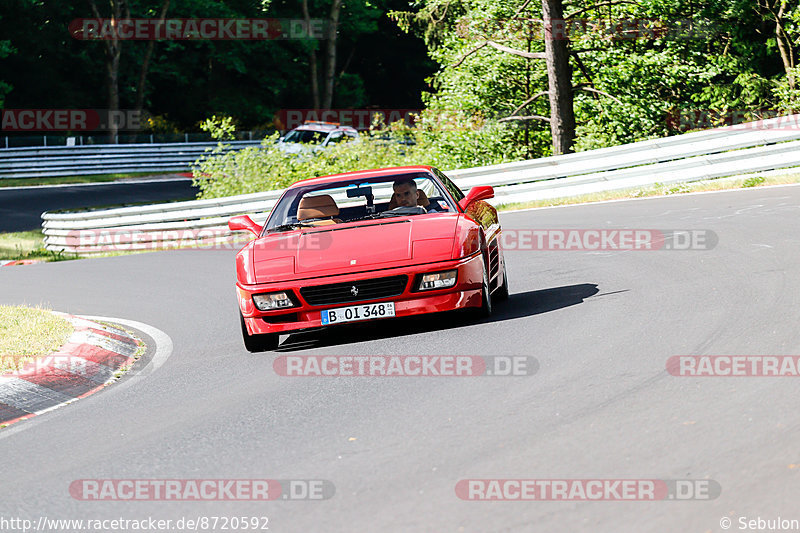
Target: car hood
348	248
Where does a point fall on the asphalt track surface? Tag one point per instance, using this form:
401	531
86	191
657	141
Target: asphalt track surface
601	324
21	207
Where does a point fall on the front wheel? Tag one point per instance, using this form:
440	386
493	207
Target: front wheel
258	343
501	293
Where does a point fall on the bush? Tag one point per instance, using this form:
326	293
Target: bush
446	146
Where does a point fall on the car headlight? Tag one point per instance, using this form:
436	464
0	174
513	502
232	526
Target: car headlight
273	300
438	280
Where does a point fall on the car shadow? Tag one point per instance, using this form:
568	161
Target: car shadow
518	305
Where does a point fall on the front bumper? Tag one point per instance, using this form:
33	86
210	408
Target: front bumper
465	293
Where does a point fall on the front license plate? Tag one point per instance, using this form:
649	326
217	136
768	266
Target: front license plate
357	312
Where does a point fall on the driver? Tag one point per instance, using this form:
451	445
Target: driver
405	192
407	195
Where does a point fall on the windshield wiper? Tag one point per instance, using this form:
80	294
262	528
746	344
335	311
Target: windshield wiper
402	212
368	217
287	227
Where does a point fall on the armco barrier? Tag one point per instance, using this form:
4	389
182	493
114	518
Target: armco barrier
105	159
729	151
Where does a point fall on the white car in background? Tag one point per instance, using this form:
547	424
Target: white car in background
312	137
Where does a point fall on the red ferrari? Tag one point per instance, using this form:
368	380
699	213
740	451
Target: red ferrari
367	245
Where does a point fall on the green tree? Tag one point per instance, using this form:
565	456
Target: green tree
5	50
698	54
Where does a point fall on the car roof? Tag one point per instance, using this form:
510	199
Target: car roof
323	126
373	173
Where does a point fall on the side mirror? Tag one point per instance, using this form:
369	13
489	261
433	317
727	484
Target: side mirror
476	193
281	138
244	223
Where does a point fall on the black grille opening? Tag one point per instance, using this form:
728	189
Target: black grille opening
280	319
365	289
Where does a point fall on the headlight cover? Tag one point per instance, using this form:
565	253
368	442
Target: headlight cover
273	300
438	280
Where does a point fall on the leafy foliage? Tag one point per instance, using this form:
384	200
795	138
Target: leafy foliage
710	55
256	169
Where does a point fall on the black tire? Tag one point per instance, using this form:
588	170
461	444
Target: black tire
501	294
485	310
258	343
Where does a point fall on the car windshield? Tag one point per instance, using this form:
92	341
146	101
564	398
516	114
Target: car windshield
305	136
357	199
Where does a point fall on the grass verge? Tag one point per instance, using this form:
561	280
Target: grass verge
23	245
27	334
